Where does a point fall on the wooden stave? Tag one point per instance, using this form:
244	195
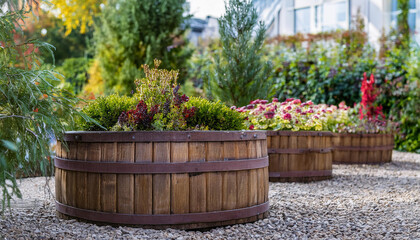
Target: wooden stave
317	162
370	149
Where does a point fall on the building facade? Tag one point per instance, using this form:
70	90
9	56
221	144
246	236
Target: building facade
288	17
202	29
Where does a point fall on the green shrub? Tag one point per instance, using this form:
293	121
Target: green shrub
213	116
106	110
75	72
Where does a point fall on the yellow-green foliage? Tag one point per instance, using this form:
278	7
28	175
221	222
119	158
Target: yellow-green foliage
106	110
213	115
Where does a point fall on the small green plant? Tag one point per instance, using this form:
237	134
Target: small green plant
161	106
213	116
106	110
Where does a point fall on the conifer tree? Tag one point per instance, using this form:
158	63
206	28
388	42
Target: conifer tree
240	73
134	32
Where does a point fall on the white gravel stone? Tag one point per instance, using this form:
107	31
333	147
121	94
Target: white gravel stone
360	202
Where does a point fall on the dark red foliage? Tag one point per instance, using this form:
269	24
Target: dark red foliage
188	112
140	117
368	108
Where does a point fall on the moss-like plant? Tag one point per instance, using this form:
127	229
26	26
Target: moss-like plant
213	116
106	110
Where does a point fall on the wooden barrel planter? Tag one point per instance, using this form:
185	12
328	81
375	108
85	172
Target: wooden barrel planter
302	156
362	148
186	180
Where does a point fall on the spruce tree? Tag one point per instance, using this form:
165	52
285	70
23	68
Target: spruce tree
240	74
134	32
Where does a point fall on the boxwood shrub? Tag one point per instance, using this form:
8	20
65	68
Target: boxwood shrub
210	115
106	110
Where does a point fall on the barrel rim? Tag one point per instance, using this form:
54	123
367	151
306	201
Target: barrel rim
363	134
163	136
299	133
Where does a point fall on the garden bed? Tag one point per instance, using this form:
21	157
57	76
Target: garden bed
362	148
299	156
179	179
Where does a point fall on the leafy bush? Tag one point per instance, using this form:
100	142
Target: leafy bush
132	33
75	72
213	116
106	110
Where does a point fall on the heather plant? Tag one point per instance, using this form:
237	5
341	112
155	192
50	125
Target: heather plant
161	105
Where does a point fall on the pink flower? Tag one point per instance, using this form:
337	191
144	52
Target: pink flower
251	127
269	115
233	107
310	111
309	103
289	99
296	101
289	108
298	110
287	116
263	101
250	106
275	100
283	103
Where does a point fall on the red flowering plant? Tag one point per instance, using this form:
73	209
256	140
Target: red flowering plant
292	114
367	116
161	106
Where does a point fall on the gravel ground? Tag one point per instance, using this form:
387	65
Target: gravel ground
360	202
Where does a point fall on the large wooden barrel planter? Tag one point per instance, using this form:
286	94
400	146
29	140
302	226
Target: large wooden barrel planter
302	156
184	180
362	148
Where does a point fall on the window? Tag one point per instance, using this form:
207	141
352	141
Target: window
302	20
332	15
411	14
318	17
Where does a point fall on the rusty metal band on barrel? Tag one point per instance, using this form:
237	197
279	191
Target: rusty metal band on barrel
299	150
313	173
364	148
162	219
164	136
151	168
